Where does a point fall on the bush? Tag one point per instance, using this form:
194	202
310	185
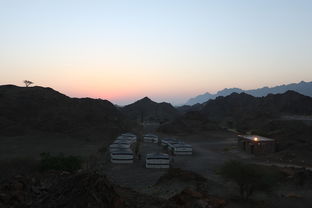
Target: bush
250	178
60	162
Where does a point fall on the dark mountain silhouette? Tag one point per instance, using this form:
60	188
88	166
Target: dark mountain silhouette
188	108
243	105
190	122
27	109
148	110
304	88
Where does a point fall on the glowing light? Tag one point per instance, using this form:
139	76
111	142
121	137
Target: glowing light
256	139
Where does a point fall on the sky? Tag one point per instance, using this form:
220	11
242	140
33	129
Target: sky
168	50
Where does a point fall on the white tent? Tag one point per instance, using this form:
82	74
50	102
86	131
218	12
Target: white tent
121	141
181	149
129	135
157	160
166	141
114	147
150	138
122	156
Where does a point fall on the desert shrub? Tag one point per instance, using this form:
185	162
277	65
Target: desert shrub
226	149
250	178
60	162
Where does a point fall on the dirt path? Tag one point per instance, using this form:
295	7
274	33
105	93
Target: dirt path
283	165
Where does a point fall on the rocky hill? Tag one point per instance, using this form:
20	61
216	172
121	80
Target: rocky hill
148	110
246	113
188	108
88	189
244	106
24	110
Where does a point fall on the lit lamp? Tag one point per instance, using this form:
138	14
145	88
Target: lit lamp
256	139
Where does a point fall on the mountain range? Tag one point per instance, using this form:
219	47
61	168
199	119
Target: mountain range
304	88
24	110
245	113
32	110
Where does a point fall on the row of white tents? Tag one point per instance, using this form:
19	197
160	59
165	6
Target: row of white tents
121	150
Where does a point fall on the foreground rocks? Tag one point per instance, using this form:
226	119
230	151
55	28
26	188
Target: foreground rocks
90	190
81	190
191	198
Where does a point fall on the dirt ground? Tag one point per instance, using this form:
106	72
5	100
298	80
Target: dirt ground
31	146
210	150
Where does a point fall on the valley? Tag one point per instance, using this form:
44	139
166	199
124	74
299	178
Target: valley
82	129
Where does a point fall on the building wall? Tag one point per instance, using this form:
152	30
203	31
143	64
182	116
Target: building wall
257	148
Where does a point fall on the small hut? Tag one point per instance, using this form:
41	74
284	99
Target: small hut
122	156
157	160
150	138
180	149
165	142
122	141
129	135
256	144
114	147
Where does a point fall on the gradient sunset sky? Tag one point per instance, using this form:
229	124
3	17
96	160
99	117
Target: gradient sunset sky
165	49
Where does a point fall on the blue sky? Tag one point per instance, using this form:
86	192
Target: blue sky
167	50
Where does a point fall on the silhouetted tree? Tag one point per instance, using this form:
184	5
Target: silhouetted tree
27	83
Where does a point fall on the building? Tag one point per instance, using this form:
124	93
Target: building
150	138
123	141
129	135
114	147
256	144
180	149
157	160
122	156
171	144
165	142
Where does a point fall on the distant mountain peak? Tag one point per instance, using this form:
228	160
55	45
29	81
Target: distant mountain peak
146	99
304	88
146	109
